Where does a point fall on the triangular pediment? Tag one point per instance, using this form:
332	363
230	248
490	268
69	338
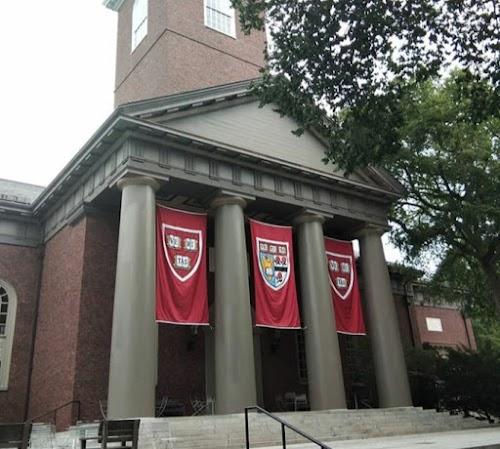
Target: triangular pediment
227	115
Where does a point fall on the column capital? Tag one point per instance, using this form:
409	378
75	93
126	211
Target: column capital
371	229
226	198
309	216
138	181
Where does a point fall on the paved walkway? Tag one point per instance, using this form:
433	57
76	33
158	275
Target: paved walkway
439	440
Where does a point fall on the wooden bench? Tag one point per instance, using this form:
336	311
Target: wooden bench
124	431
15	435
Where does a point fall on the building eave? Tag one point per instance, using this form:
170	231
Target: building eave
114	5
188	100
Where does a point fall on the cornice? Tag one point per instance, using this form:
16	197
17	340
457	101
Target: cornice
188	100
114	5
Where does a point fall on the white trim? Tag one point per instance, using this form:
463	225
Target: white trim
180	210
351	284
8	339
268	224
338	240
351	333
182	324
277	327
257	240
200	251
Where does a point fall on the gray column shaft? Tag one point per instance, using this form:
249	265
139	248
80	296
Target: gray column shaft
234	358
388	356
133	361
324	366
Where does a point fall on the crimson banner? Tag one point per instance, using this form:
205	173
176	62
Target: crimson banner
274	278
181	267
344	286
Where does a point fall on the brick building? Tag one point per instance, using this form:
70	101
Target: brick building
77	257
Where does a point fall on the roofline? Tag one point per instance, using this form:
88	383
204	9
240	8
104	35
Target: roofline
114	5
66	171
194	98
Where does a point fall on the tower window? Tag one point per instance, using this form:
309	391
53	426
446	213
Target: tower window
139	22
219	15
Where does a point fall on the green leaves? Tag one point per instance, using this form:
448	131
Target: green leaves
368	76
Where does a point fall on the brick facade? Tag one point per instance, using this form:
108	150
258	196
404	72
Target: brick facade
176	29
457	330
74	323
71	359
20	267
54	363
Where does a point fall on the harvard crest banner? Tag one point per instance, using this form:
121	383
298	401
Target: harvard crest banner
181	267
344	286
274	279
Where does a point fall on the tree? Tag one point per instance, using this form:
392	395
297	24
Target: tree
359	55
449	164
364	73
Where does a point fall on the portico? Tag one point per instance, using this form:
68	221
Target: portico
195	173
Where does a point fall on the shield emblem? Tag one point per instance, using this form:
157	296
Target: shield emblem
182	248
274	262
341	273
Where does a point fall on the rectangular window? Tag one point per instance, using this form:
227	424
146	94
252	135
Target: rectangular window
434	324
219	15
139	22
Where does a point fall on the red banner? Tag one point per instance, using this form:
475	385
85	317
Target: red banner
274	278
344	286
181	267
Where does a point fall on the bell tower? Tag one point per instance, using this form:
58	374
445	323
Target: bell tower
171	46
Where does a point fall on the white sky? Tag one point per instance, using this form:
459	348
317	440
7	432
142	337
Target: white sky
56	84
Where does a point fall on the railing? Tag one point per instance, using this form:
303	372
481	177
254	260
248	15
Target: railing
284	424
55	410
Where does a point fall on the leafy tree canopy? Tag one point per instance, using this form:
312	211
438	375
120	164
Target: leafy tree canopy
449	165
371	67
358	56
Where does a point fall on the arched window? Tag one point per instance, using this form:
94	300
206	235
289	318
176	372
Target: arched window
8	305
139	22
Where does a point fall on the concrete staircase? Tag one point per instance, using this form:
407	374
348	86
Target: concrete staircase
227	431
218	432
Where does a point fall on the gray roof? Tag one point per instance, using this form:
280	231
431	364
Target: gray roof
18	192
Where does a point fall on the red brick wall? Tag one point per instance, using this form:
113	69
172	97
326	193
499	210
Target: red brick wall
181	364
19	266
179	53
96	313
454	327
280	372
54	361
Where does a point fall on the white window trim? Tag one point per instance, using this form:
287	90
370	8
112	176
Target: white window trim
434	324
233	22
144	21
8	339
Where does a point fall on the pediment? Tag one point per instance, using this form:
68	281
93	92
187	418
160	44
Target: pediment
262	132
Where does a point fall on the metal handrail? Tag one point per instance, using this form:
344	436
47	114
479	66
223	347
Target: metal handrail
284	424
55	410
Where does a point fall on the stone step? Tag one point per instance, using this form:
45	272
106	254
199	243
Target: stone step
227	432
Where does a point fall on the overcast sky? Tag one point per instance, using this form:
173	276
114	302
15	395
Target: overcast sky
56	84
